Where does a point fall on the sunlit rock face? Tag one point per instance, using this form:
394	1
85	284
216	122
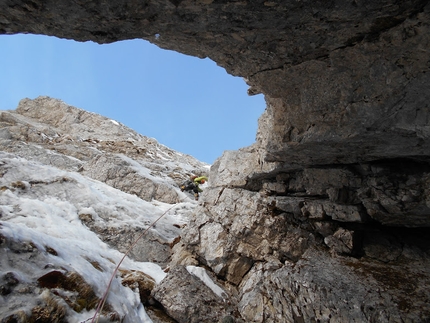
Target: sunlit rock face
97	147
326	217
77	190
51	132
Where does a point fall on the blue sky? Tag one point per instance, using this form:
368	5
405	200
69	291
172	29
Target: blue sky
186	103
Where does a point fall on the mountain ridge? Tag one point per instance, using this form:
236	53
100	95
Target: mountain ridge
61	128
103	190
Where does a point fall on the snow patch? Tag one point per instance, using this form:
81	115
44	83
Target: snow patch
47	214
200	273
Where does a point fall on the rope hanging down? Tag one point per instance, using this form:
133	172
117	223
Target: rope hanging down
103	299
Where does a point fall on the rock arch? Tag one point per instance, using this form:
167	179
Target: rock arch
331	212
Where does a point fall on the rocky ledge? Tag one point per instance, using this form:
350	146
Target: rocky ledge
326	217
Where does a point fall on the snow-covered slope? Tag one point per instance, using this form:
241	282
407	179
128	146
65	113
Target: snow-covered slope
51	132
76	190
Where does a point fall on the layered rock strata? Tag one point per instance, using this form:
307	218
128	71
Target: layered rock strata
326	217
51	132
346	243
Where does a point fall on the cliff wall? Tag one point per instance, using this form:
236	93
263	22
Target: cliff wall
326	217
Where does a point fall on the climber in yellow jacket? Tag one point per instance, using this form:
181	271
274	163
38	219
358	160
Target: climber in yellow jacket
193	185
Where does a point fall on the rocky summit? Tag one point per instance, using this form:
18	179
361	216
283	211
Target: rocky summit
326	217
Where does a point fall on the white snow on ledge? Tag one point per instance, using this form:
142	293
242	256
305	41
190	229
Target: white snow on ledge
200	273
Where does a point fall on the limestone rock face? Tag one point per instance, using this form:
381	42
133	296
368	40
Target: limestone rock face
325	244
333	289
326	217
50	132
77	191
344	81
190	300
81	141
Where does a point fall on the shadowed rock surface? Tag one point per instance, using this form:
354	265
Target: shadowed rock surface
326	217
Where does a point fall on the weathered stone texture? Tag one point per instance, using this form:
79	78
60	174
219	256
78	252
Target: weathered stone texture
190	301
318	288
76	140
326	217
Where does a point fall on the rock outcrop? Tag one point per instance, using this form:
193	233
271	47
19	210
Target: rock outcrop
329	244
77	191
50	132
83	141
326	217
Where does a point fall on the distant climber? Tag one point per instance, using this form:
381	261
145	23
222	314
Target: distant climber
193	185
